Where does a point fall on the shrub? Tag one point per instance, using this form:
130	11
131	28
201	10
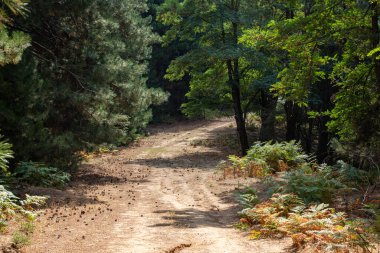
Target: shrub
271	154
349	174
40	175
248	197
6	153
20	239
373	210
11	207
266	158
27	227
287	215
311	186
253	121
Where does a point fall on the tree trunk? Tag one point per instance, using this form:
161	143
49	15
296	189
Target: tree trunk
323	140
236	100
234	82
292	116
268	116
309	137
326	90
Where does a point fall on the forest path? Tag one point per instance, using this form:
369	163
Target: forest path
161	195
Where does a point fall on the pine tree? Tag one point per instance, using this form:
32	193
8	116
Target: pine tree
90	68
12	43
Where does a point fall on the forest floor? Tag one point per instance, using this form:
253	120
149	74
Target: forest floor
163	194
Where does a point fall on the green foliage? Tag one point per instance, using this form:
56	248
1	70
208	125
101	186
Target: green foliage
318	186
12	7
248	197
225	74
161	58
374	211
79	85
13	208
20	239
252	121
31	202
41	175
6	153
242	226
208	92
270	154
265	158
237	161
321	184
350	175
27	227
327	55
13	45
8	206
348	118
280	203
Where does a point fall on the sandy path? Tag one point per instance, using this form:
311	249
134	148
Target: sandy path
159	196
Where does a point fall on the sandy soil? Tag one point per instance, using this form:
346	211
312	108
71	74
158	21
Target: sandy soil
161	195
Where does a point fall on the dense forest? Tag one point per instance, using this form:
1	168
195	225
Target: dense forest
81	76
314	63
73	81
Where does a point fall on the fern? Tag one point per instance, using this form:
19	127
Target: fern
271	153
248	198
319	186
11	207
41	175
287	215
271	157
6	153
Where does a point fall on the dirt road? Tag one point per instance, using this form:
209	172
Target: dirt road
161	195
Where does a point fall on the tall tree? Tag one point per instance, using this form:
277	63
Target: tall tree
90	63
326	67
214	28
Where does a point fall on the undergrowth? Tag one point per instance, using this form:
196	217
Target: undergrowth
248	197
310	186
20	239
40	175
316	224
265	158
301	194
14	208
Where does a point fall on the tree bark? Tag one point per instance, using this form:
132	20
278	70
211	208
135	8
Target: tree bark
309	137
239	118
268	116
234	82
292	117
325	91
323	140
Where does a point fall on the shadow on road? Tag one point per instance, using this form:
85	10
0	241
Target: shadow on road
194	217
196	160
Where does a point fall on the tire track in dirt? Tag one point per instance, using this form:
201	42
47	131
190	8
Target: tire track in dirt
189	212
170	201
